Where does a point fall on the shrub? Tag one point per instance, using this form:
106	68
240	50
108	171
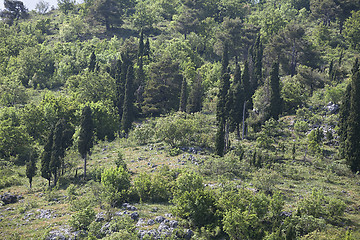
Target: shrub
116	182
82	219
198	206
301	126
153	188
320	206
120	160
143	133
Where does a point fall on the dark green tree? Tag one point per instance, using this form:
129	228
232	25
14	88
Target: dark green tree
46	157
275	99
92	62
352	142
109	12
183	96
13	11
128	108
31	166
147	48
221	113
256	53
344	113
66	5
141	45
86	134
195	96
162	90
238	100
57	151
245	81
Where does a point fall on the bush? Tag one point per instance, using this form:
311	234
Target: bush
116	182
143	133
120	160
82	219
153	188
320	206
301	127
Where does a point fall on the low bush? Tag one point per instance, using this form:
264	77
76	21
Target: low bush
82	219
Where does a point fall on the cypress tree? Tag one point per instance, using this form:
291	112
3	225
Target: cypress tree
86	134
128	108
183	96
92	63
256	53
245	81
195	96
126	62
275	99
46	157
141	45
31	166
344	113
238	100
221	114
57	150
352	142
147	48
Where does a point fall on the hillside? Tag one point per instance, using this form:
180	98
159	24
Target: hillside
167	119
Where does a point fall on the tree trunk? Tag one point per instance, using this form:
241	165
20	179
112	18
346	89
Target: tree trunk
30	181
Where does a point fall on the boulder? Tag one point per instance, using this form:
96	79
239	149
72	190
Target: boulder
160	219
134	216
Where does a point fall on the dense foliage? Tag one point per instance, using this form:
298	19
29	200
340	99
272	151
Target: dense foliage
262	89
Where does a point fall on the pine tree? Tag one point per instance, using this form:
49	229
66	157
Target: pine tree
275	99
183	96
92	63
195	96
86	134
128	108
352	142
31	166
46	157
221	113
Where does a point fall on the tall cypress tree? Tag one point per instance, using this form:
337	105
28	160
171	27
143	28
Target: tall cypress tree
86	134
31	166
238	100
139	81
352	142
92	62
256	53
195	96
147	48
141	45
245	81
46	157
275	99
344	113
128	108
183	96
57	150
221	114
